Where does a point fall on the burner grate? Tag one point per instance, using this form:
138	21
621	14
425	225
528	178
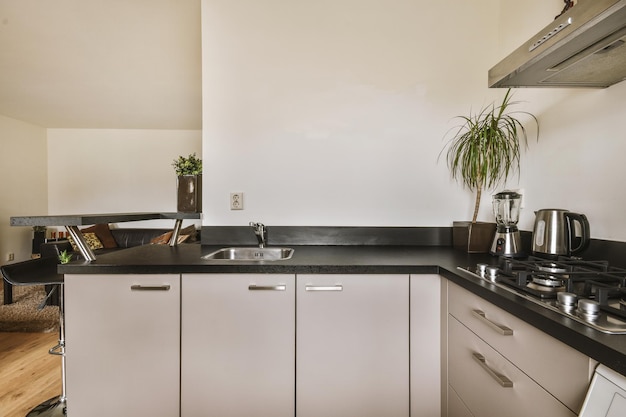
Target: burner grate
545	278
590	292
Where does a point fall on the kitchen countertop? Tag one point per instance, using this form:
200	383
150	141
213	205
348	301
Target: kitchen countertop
163	259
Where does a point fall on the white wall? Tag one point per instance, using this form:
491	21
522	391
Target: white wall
23	184
116	171
82	171
333	113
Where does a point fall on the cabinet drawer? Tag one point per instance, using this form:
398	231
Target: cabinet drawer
481	391
456	408
560	369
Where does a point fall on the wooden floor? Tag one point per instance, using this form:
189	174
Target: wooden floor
28	374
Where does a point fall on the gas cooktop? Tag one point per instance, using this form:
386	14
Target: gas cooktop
590	292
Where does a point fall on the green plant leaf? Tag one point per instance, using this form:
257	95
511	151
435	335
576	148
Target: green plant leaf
190	165
65	257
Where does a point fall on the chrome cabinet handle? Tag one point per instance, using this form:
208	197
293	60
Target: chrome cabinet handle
323	287
279	287
150	288
503	330
500	379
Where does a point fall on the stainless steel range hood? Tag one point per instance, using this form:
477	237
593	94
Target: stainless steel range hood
584	47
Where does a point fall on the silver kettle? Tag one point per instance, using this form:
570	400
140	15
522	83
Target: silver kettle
555	232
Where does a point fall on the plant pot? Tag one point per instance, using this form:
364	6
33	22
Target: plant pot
189	194
473	237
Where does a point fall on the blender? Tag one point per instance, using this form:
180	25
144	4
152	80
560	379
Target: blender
507	241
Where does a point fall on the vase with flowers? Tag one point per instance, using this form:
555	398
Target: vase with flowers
189	183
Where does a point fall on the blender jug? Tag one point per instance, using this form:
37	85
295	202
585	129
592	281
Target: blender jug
506	208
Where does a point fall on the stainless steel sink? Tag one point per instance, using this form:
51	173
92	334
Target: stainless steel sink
250	254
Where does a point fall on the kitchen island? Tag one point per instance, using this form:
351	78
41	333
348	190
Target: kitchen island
415	261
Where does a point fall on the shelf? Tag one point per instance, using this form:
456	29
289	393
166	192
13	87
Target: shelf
72	221
89	219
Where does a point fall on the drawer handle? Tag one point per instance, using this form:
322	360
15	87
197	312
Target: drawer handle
503	330
150	288
280	287
323	287
500	379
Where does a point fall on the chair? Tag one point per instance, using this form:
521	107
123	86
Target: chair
33	270
43	271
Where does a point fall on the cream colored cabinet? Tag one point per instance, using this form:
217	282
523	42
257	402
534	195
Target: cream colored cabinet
455	406
123	345
490	385
500	365
426	345
352	345
238	351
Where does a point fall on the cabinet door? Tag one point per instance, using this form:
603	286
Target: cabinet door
123	345
352	345
238	345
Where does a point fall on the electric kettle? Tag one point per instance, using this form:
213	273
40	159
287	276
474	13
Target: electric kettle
555	233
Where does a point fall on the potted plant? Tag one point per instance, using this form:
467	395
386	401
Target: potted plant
189	183
483	152
65	257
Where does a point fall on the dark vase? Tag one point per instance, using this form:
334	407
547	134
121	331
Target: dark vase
189	194
38	239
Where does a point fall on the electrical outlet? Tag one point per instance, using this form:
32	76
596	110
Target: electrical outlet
236	201
10	256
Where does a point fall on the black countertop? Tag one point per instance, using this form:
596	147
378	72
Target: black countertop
163	259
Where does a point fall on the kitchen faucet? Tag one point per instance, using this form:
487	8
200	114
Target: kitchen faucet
261	233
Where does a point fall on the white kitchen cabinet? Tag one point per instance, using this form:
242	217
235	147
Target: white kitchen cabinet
122	345
477	374
455	406
238	345
352	345
554	376
425	345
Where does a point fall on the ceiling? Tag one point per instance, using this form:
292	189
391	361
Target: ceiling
115	64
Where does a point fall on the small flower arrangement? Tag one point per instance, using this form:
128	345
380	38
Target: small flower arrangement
191	165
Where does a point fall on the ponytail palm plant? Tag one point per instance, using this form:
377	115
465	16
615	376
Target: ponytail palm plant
485	149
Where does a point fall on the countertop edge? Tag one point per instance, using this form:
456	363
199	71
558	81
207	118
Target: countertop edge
607	349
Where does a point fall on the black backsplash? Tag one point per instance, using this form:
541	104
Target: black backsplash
612	251
331	236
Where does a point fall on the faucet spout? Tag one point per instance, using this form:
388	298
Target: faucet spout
261	233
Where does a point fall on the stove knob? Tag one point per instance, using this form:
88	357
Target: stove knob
492	273
481	269
589	309
566	299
